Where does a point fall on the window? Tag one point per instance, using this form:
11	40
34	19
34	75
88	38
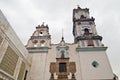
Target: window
86	30
62	53
62	67
35	43
95	64
42	43
90	43
41	33
82	16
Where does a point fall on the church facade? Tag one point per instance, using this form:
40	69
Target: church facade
85	59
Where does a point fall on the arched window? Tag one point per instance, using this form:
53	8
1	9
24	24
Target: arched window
90	42
86	31
35	43
42	43
82	16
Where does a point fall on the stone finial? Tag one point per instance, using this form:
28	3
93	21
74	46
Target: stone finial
78	6
46	25
42	24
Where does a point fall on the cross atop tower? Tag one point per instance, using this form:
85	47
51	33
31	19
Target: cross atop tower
84	27
43	23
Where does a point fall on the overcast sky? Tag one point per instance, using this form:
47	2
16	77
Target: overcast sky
25	15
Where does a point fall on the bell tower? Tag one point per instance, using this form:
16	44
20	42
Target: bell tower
94	62
41	37
84	27
39	46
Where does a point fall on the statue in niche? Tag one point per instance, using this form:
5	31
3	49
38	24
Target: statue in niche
62	54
